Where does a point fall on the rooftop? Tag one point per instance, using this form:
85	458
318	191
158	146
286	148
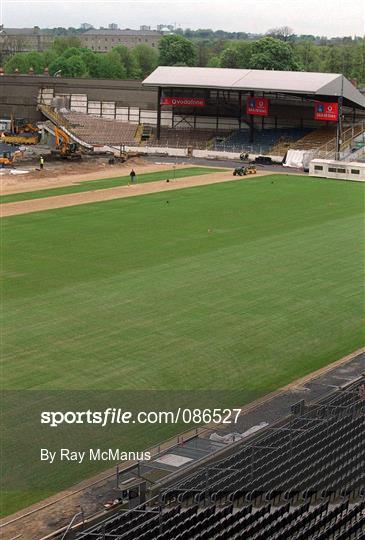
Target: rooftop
24	31
120	32
294	82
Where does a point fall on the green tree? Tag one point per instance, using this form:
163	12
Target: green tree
203	51
333	59
347	54
146	59
72	51
76	67
308	56
49	56
214	61
35	60
91	61
61	44
358	69
17	61
110	66
59	64
236	54
73	66
128	60
230	58
176	49
244	50
270	53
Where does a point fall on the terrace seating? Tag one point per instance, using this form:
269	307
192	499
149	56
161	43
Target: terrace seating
291	463
315	139
320	522
94	130
183	138
265	140
304	480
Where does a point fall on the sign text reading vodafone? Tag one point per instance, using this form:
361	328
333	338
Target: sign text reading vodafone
183	102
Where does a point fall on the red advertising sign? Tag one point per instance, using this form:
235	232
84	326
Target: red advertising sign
257	106
183	101
326	111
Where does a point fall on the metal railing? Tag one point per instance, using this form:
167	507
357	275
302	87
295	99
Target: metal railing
52	115
329	149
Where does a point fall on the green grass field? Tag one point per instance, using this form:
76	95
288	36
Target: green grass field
233	290
106	183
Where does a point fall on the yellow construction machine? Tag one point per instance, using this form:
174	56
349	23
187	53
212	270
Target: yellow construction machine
21	132
7	158
65	147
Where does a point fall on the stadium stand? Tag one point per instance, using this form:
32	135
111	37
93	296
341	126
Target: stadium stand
96	130
309	141
93	130
283	522
265	139
304	479
276	141
315	139
183	138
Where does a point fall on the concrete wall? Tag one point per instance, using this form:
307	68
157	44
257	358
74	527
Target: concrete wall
19	93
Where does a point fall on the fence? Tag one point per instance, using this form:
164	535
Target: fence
329	150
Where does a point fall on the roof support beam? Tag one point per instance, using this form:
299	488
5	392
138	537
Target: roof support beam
252	123
158	131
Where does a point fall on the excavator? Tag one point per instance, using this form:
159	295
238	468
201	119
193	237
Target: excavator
7	159
21	132
65	148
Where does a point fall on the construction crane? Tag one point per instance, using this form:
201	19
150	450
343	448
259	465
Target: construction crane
65	147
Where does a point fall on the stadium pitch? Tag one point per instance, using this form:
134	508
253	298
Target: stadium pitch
108	183
238	287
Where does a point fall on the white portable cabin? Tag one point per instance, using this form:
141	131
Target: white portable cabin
341	170
5	124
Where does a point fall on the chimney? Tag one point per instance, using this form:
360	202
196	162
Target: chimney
354	82
31	71
46	71
16	71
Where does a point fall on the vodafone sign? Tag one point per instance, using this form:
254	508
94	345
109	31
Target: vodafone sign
327	112
257	106
183	102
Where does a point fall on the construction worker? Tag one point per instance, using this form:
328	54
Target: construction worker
41	162
132	175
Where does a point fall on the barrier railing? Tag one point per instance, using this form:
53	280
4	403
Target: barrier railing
329	149
52	115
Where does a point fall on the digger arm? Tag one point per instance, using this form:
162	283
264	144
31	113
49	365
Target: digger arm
61	137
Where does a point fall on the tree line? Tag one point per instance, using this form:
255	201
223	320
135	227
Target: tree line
276	51
69	59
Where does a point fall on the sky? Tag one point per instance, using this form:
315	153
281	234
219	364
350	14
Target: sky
318	17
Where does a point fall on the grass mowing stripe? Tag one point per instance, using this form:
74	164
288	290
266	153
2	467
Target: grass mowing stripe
105	183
